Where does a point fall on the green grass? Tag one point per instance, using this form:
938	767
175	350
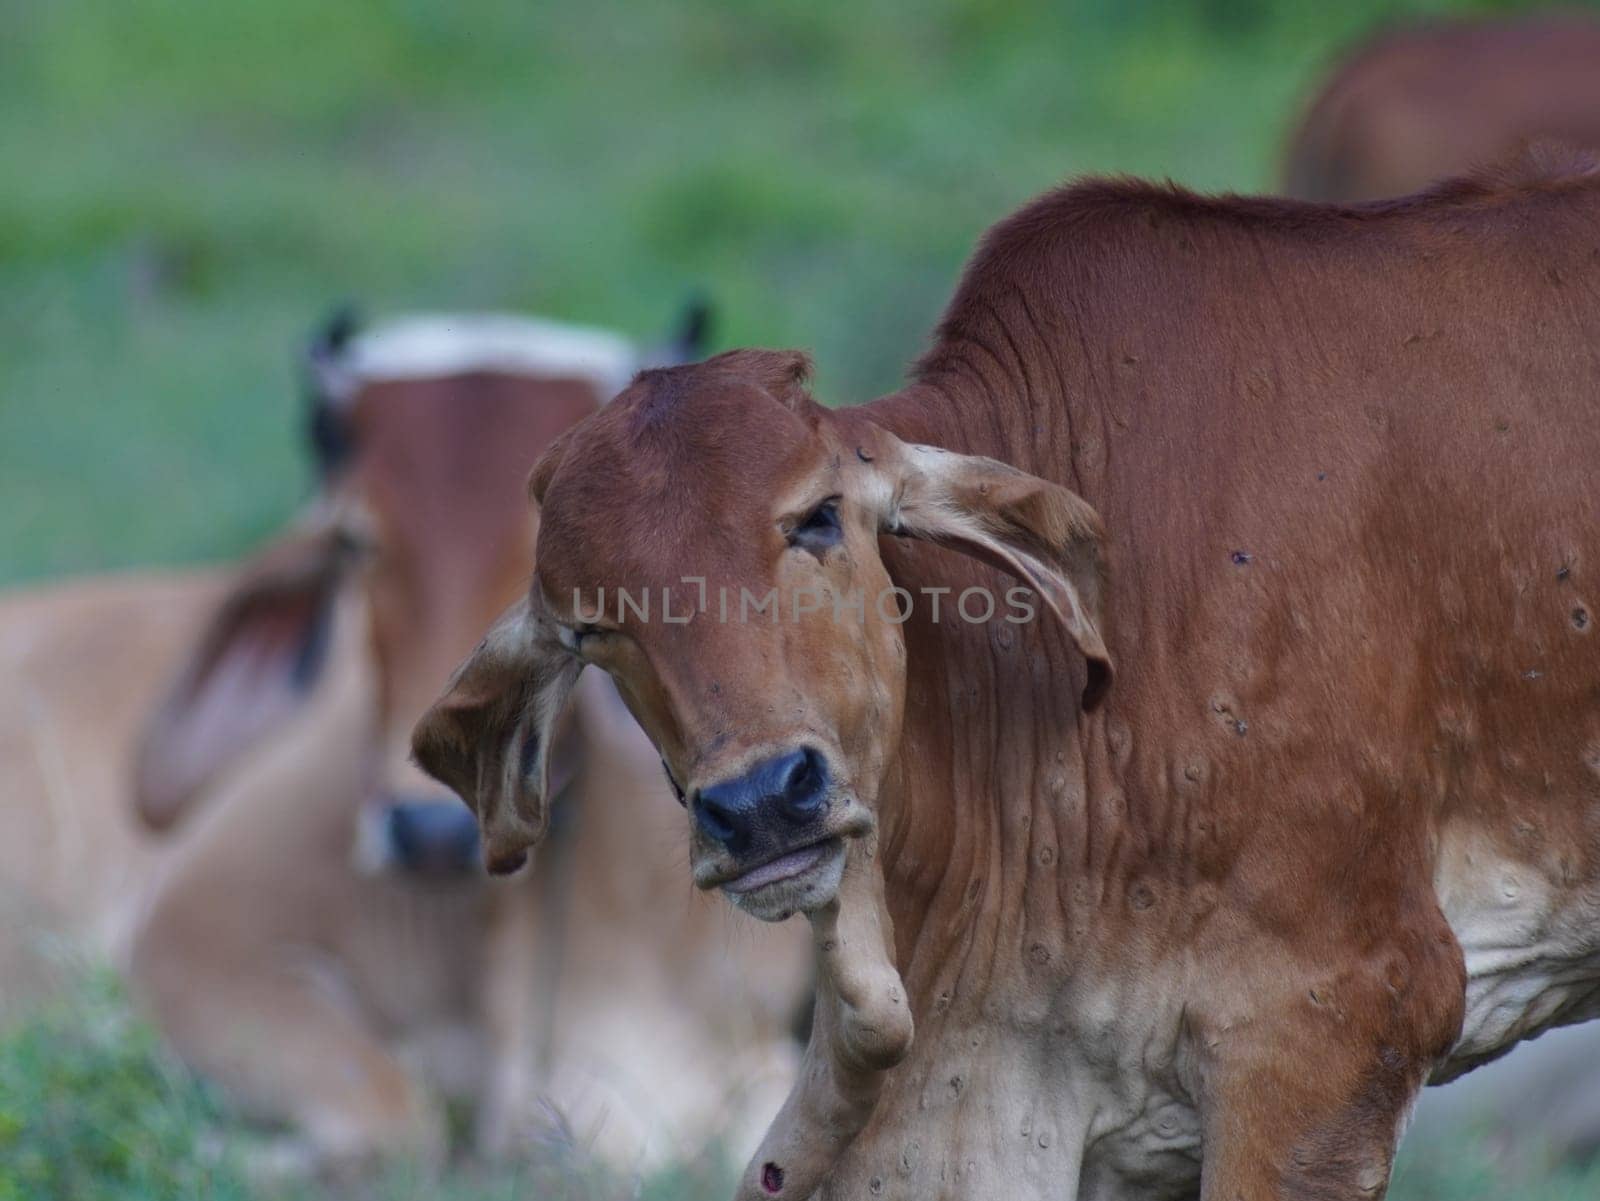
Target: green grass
91	1109
185	188
1464	1172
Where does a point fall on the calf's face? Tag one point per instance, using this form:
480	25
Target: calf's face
711	540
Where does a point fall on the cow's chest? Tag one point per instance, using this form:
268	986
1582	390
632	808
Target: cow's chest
1122	1061
1076	1100
1144	1144
1530	943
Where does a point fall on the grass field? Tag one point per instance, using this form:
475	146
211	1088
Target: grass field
91	1110
185	188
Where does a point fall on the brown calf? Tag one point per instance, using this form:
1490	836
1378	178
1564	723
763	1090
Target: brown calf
1273	795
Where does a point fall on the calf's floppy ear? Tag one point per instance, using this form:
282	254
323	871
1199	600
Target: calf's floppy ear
489	736
252	667
1043	534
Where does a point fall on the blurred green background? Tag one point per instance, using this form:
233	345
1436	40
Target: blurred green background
186	188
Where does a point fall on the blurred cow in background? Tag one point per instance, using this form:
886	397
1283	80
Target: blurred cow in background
319	937
83	664
1412	106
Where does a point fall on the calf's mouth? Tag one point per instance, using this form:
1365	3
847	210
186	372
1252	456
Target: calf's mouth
795	881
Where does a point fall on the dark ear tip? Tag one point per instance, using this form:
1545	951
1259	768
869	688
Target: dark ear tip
505	865
695	325
336	329
158	813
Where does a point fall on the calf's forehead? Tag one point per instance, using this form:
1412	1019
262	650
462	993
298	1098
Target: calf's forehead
676	477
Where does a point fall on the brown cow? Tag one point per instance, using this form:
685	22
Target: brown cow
1415	105
1285	803
324	944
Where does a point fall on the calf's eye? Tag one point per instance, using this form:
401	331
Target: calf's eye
819	529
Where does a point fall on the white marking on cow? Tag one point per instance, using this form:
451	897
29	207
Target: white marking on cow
430	346
1529	957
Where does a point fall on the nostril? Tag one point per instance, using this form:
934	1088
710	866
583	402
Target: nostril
804	783
792	776
790	789
717	820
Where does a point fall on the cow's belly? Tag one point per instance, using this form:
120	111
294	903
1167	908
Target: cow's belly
1531	943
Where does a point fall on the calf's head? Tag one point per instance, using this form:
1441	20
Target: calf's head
711	540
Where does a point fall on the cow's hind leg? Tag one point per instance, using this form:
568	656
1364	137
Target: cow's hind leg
286	1046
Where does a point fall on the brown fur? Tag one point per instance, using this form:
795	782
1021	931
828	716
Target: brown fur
1412	106
1195	938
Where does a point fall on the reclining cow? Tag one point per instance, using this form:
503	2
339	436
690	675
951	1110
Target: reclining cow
1419	104
83	664
324	944
1281	805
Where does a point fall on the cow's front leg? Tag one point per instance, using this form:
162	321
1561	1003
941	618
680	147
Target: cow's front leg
1311	1106
1281	1138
